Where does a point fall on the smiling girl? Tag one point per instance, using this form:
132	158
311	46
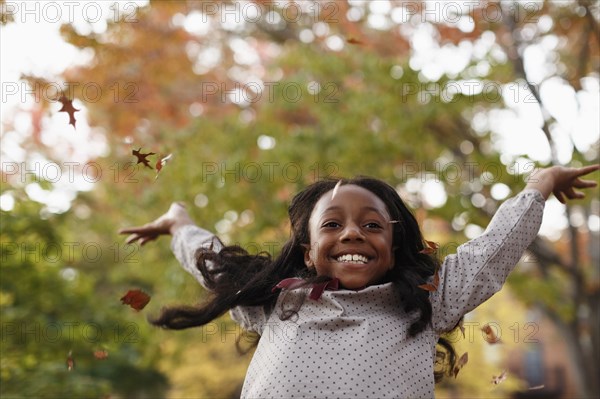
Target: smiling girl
339	311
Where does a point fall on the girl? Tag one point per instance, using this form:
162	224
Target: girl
340	312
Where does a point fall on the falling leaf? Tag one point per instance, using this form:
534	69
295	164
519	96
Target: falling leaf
336	188
433	286
499	379
161	162
432	244
101	354
67	106
137	299
141	158
490	334
355	41
70	361
460	363
430	248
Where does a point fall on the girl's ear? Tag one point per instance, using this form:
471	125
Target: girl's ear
307	258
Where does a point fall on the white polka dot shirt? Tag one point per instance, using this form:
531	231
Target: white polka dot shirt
355	344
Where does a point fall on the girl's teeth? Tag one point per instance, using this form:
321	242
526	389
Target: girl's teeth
352	258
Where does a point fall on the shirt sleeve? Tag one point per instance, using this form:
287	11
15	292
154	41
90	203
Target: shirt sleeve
480	266
185	243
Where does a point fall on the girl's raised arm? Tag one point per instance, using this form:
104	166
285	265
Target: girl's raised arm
480	266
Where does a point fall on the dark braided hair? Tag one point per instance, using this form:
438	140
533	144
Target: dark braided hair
237	278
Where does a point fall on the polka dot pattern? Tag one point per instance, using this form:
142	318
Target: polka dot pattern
355	344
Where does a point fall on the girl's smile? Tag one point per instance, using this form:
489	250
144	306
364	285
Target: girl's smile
350	237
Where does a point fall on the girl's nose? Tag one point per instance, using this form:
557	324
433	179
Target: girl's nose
351	233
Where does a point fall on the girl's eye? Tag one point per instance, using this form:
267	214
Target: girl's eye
331	224
373	225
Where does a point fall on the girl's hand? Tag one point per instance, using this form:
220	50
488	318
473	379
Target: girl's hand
562	181
176	217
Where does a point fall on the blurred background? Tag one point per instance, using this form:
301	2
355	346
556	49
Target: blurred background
452	102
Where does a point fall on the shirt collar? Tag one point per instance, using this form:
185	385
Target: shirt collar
317	288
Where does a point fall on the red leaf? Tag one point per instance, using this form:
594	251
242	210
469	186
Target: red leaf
101	354
432	244
428	287
67	106
161	162
433	286
141	158
499	379
70	361
430	248
490	334
137	299
460	363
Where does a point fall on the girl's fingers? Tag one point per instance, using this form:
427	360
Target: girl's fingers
134	230
149	228
559	196
148	239
579	172
572	194
132	238
579	183
587	169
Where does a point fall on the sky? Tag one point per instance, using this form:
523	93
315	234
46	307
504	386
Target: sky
32	45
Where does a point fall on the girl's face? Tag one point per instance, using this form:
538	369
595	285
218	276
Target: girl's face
350	237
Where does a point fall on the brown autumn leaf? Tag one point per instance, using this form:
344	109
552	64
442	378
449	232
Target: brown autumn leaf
141	158
433	286
70	361
101	354
462	361
137	299
67	106
499	379
490	334
355	41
